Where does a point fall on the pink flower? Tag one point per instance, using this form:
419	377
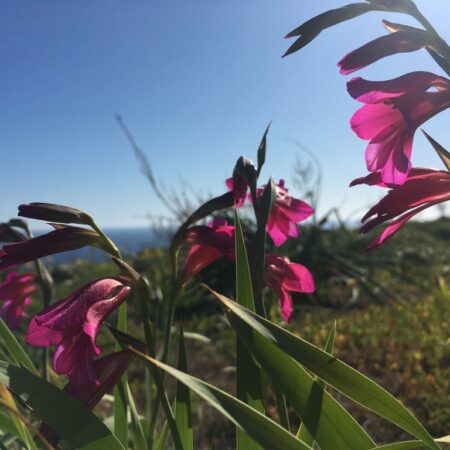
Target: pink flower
209	243
15	292
406	40
392	112
285	214
239	186
107	371
73	323
285	277
423	188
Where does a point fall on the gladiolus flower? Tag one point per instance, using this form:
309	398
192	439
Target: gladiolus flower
423	188
107	371
285	277
15	292
239	187
62	239
209	243
392	112
285	214
408	40
73	323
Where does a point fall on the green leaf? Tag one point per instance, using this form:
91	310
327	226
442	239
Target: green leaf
410	445
14	349
120	390
20	429
6	423
333	427
333	371
162	440
248	373
183	415
138	432
442	153
406	445
262	429
66	416
303	433
313	27
261	155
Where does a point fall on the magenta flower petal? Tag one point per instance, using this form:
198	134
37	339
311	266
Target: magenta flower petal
107	371
209	243
14	292
299	279
422	189
278	230
394	226
285	214
42	337
239	186
96	314
198	258
366	91
393	111
73	324
284	277
286	304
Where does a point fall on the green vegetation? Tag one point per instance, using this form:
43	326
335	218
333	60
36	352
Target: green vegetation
401	342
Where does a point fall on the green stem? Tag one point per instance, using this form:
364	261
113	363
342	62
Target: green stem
166	347
144	294
442	47
112	248
257	275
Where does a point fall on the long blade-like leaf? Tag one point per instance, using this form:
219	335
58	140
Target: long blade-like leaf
262	429
14	349
20	429
303	433
183	415
335	372
65	415
248	373
443	154
120	390
138	432
330	424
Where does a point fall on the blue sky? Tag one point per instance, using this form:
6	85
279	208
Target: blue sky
197	82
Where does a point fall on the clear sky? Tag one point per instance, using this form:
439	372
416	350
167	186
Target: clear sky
197	82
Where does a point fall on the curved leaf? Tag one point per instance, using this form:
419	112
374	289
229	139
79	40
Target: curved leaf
335	372
65	415
262	429
14	349
330	424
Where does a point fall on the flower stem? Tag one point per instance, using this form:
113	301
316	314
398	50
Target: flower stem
144	296
112	248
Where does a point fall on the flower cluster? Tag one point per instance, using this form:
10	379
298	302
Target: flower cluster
217	240
392	111
72	324
15	294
